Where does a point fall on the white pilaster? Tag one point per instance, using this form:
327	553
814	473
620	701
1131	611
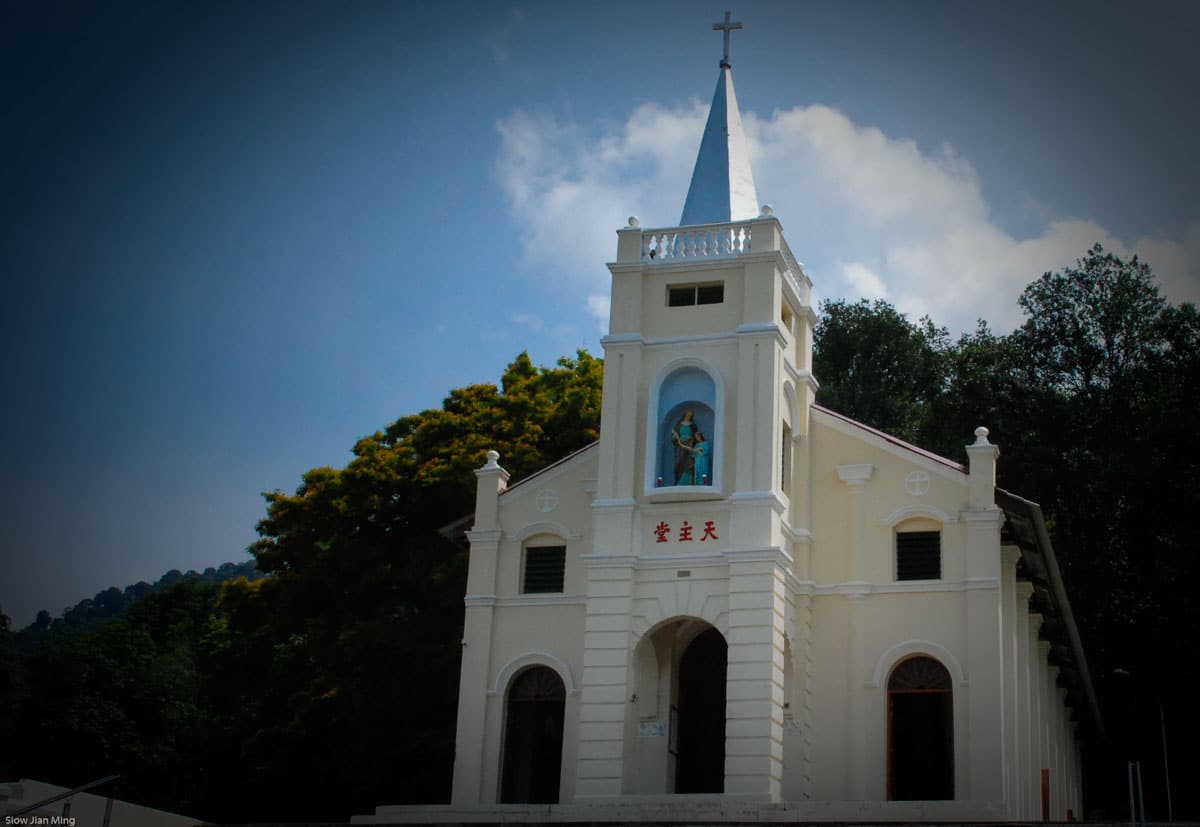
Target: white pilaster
755	682
1025	705
491	481
1036	711
604	704
1009	555
856	478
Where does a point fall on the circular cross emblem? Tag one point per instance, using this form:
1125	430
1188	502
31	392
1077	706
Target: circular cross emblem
547	501
917	483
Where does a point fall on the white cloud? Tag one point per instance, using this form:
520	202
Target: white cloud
1174	263
568	192
864	280
869	214
598	307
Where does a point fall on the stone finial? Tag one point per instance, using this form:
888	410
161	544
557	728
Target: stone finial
766	210
493	459
633	221
981	470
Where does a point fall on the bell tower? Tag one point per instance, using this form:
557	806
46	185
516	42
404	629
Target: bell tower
701	509
708	359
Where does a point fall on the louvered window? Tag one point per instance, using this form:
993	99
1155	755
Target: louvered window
544	567
919	555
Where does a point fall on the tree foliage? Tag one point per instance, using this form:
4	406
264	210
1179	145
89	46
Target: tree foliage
123	698
873	363
91	613
1091	329
329	685
364	587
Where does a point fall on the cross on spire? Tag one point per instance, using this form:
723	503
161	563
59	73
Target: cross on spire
726	27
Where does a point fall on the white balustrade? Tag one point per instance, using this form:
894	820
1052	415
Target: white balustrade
795	270
701	241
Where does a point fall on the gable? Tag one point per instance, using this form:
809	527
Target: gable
871	494
550	509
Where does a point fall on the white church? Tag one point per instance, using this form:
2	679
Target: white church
739	605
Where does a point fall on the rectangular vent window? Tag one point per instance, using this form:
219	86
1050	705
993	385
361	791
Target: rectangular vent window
693	294
544	568
919	555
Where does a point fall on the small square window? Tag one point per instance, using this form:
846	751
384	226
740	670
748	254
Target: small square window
919	555
544	566
693	294
710	294
681	296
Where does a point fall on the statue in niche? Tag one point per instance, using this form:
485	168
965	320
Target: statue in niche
702	458
693	452
683	435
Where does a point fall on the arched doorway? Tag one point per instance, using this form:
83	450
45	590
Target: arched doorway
700	741
533	734
920	731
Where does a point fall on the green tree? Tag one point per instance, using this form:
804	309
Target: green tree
120	699
1091	329
361	616
878	367
990	383
1122	368
1094	342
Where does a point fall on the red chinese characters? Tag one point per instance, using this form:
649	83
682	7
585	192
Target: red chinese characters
662	532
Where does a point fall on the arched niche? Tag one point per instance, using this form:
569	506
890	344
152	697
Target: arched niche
686	434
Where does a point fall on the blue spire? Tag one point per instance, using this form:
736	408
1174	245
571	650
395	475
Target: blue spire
722	185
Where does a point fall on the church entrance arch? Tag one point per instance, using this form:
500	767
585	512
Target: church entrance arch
920	731
533	736
699	742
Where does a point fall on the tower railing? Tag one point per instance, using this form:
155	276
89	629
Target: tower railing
716	241
701	241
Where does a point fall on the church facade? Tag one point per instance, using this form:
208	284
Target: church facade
742	603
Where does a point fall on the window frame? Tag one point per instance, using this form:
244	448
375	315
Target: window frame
539	551
914	537
696	289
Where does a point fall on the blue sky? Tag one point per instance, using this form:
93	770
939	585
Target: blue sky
241	236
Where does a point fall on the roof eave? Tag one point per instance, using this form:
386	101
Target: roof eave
1038	554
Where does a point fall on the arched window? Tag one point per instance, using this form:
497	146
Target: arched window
533	734
920	701
686	433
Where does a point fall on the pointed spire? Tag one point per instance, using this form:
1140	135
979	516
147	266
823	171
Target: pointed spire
722	185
